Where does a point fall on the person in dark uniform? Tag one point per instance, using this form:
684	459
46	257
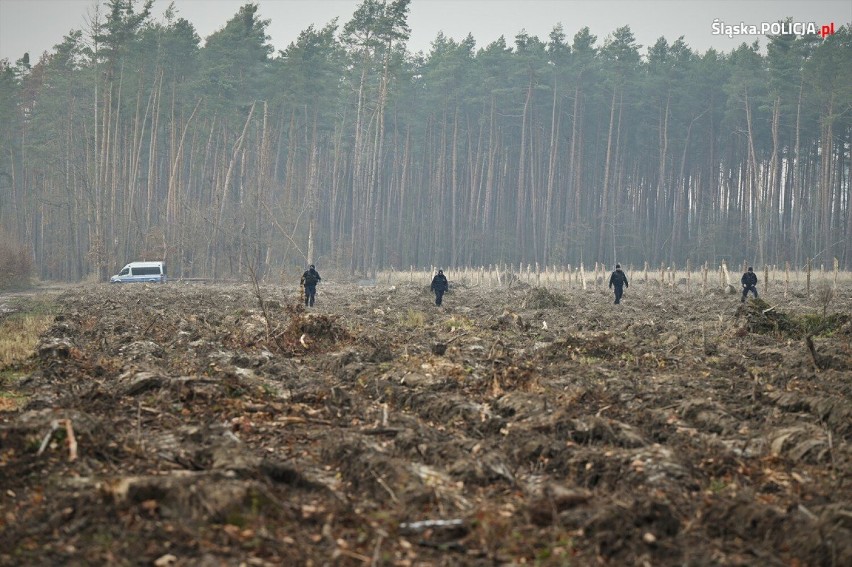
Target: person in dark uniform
439	286
310	279
749	281
618	280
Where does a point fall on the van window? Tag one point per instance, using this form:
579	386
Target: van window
124	272
146	271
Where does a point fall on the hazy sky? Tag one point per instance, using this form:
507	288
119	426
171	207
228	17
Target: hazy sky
35	26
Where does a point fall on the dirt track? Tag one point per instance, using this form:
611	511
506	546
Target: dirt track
514	425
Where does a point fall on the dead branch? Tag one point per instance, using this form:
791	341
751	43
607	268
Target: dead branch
384	485
71	441
54	425
289	237
261	303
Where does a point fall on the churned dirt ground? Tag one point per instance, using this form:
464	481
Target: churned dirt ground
201	424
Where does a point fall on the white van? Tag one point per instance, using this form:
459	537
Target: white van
154	272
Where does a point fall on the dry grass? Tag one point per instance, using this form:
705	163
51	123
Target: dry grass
413	319
19	336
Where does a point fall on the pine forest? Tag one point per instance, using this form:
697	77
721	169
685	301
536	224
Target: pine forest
137	139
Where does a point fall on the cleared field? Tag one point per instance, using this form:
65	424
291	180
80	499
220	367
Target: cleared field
187	424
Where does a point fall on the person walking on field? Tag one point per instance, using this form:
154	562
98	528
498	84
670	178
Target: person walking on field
749	281
618	280
310	279
439	286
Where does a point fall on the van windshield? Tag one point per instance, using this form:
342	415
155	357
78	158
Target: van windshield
124	272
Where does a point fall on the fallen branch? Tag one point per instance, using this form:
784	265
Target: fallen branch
71	441
286	420
351	554
389	431
384	485
291	419
54	425
460	335
423	525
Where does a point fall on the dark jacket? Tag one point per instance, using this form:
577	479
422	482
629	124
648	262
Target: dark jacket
311	277
440	283
618	278
749	279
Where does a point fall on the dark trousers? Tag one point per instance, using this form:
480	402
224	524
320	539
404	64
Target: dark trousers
619	291
439	296
310	294
749	288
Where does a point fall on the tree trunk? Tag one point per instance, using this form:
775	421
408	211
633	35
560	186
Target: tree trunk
604	211
521	198
552	164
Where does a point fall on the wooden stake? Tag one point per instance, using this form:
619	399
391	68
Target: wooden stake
810	343
808	279
786	278
688	275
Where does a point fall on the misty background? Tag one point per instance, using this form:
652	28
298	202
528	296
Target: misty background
134	138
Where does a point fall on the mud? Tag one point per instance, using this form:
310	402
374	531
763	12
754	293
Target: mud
200	424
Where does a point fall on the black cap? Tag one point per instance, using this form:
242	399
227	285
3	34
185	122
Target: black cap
750	268
311	266
617	266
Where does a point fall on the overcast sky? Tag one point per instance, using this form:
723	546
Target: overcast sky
35	26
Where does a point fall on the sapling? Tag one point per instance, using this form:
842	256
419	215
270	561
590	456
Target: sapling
824	296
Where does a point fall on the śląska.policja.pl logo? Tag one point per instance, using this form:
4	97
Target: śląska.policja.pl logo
771	28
